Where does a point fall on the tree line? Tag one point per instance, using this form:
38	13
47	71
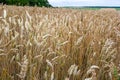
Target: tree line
27	2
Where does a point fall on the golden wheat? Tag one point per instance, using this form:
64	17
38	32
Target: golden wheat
59	44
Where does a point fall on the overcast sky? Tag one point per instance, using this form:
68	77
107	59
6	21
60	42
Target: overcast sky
84	2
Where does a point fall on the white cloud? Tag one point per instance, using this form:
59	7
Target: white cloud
85	2
72	0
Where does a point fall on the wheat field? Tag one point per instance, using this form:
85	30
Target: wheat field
59	44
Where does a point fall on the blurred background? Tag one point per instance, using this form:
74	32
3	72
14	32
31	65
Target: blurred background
62	3
40	3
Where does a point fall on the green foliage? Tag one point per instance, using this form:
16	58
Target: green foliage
27	2
116	74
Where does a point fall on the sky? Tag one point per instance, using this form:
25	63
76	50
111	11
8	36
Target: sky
60	3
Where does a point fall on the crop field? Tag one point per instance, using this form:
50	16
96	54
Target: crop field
91	7
96	8
59	44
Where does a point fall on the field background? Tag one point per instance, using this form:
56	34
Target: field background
92	7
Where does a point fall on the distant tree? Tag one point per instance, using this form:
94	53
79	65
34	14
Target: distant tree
27	2
39	3
2	1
